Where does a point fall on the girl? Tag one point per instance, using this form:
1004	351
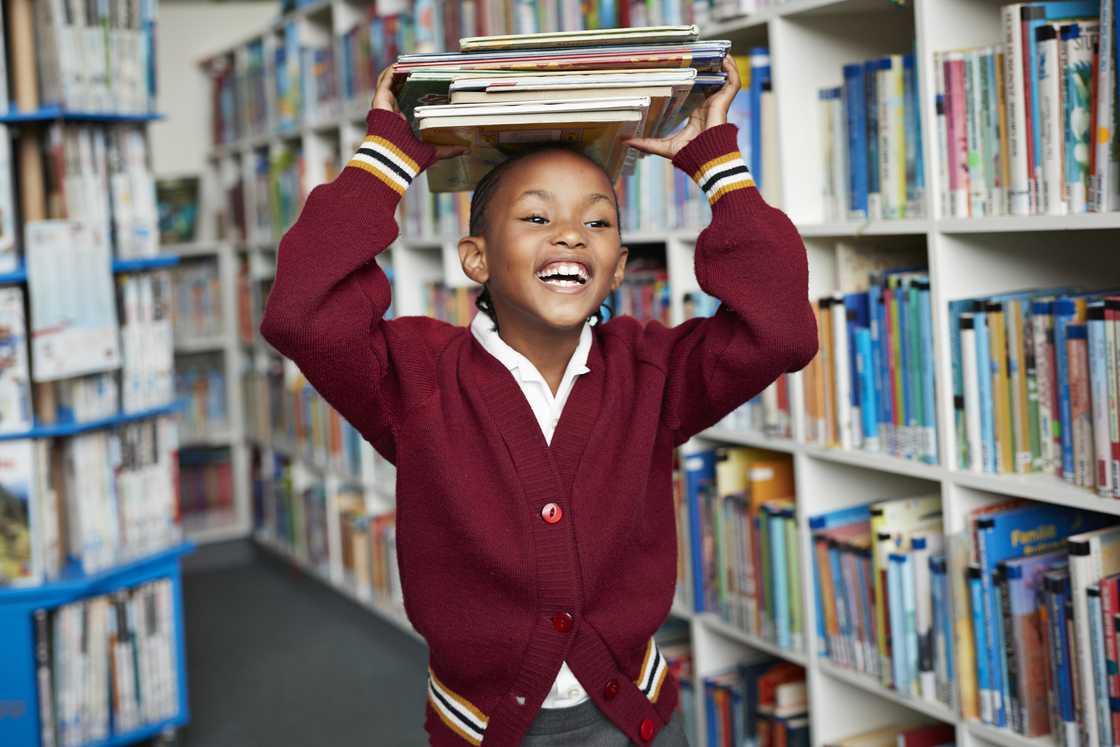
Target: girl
535	521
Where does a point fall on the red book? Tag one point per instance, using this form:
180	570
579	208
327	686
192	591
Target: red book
927	736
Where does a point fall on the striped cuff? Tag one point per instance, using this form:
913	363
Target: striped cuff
714	162
380	157
391	151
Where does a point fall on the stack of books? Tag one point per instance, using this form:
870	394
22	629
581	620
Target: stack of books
587	89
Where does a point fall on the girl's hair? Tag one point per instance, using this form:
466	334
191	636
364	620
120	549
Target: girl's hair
480	201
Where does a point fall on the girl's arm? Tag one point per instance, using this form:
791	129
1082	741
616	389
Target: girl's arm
327	302
752	259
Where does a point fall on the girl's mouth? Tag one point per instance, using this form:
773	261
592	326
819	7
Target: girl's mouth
564	276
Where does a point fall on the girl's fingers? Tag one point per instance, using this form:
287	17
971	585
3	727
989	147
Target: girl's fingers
449	151
656	146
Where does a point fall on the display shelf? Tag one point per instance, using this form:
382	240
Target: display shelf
49	113
867	228
61	430
871	685
717	625
880	462
73	584
1037	487
141	264
1021	223
746	438
1005	737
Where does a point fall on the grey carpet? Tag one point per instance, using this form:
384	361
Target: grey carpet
274	658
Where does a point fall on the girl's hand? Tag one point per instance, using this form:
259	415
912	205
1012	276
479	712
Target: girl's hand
709	114
383	98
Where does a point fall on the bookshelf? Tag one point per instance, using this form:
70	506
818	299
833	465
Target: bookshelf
808	41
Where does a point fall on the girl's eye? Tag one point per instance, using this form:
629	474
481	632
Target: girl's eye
536	218
600	223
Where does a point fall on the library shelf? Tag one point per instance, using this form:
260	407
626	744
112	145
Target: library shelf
865	228
73	584
193	248
1038	487
60	430
1005	737
1021	223
144	732
718	625
879	462
871	685
750	438
141	264
50	113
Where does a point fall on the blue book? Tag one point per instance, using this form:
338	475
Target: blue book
699	478
915	170
776	522
760	79
1100	675
983	367
843	613
980	638
866	611
879	362
1065	311
927	365
868	397
871	70
855	110
896	564
1030	712
901	291
910	620
856	311
1060	607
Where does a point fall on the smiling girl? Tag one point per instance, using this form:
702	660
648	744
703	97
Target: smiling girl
535	520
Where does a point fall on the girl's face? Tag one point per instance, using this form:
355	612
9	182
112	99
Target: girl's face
552	249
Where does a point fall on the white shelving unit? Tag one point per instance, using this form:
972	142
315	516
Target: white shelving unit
809	41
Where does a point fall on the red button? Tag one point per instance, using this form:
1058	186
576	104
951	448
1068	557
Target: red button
611	689
647	729
562	621
551	513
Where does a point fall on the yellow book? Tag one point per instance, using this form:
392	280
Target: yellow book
589	38
825	355
1001	388
1004	154
493	137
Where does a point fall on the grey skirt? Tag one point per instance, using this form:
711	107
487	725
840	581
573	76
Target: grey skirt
584	725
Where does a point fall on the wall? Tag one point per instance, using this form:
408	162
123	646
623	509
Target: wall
187	32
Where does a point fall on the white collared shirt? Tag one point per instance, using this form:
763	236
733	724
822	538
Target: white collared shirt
566	690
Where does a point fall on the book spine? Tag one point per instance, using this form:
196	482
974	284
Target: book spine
1008	653
871	70
1084	572
972	403
941	104
1100	676
1064	313
1050	119
855	109
984	368
1098	376
1112	368
956	123
980	636
1077	346
1080	42
975	133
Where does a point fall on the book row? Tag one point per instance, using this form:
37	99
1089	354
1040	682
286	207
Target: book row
147	340
88	57
197	308
1028	126
107	666
763	703
880	589
200	380
205	482
871	386
93	501
871	142
739	552
1035	385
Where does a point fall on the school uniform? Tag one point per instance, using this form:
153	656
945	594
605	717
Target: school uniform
518	554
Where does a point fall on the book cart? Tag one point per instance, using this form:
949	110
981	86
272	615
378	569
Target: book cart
809	41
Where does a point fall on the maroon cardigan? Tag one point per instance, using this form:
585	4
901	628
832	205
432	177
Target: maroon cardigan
514	555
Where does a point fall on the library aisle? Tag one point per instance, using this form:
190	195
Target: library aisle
278	659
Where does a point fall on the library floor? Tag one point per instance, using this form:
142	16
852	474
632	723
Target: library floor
275	658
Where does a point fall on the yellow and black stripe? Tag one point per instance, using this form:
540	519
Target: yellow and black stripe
721	175
653	673
456	711
386	161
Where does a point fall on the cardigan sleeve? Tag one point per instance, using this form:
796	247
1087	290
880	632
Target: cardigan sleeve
753	260
326	307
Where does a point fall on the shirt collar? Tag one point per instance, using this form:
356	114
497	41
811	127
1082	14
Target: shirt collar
482	327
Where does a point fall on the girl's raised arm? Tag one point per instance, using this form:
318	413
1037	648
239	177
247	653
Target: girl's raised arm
325	310
753	260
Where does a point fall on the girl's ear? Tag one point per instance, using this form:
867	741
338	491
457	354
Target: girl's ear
619	268
472	255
